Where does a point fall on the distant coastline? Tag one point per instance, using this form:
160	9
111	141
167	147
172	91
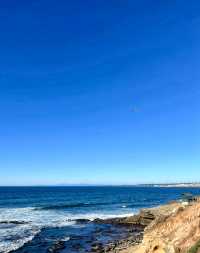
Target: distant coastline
167	185
187	185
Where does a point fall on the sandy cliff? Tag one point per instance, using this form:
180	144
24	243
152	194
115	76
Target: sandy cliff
175	228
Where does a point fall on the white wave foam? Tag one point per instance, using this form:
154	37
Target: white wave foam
65	239
104	216
14	236
21	236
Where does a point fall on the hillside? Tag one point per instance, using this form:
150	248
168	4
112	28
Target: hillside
176	228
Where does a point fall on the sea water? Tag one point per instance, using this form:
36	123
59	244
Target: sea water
32	218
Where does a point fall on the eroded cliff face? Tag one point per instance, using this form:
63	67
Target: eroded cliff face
176	228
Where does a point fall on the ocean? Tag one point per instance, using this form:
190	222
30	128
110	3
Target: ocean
32	219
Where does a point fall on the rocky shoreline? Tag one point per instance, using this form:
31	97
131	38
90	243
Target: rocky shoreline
133	229
169	228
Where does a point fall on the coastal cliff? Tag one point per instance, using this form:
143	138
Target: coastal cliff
172	228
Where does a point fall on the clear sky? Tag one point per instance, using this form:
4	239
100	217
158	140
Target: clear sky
99	91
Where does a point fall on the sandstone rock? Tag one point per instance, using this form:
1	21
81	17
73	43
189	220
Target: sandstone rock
176	228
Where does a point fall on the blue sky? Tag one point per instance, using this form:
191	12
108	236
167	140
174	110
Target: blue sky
100	92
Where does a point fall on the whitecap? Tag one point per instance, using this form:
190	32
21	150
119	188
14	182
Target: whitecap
16	235
20	236
65	239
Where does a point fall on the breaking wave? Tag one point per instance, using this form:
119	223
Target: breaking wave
20	225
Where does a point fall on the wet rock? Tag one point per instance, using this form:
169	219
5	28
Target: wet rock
99	221
143	219
111	246
14	222
97	247
83	220
59	245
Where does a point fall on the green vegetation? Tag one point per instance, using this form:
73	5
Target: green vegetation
195	248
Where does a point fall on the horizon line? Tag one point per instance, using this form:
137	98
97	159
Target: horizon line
103	185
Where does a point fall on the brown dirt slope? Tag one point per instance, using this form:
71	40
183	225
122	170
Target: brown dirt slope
176	228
